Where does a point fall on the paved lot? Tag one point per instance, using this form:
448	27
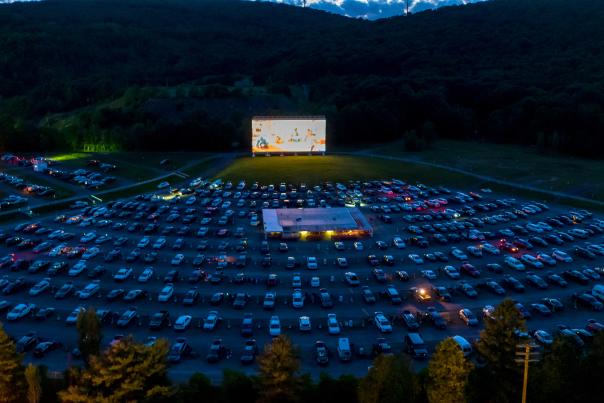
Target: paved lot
355	316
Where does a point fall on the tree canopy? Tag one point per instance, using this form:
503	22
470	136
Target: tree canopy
188	74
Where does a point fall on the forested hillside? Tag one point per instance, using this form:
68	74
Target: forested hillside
158	74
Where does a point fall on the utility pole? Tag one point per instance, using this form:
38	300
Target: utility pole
406	8
526	353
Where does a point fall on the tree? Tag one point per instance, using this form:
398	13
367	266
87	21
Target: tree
12	380
34	387
89	333
126	372
559	374
448	372
390	380
238	387
278	367
497	345
198	385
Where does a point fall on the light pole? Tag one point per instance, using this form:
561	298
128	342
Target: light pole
526	353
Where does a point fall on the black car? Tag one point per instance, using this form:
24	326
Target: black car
115	294
587	300
512	283
409	320
217	351
27	342
96	271
191	297
46	347
159	320
14	286
66	290
576	276
367	295
171	276
325	298
441	293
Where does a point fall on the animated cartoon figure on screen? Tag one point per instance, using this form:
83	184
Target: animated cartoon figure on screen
261	142
295	138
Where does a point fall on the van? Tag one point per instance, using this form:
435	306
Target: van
414	345
464	345
598	292
344	351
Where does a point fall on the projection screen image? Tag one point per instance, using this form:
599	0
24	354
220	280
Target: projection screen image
288	135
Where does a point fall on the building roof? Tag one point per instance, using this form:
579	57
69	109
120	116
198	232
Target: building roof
314	219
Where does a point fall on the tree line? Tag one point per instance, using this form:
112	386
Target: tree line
176	74
128	371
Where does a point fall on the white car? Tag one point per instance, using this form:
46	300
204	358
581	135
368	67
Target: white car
177	260
382	323
561	256
166	293
143	242
40	287
452	272
90	253
297	299
274	327
333	326
122	274
182	323
211	321
490	248
296	280
415	258
72	319
474	251
304	324
163	185
514	263
77	268
398	242
88	237
534	228
145	275
315	282
311	263
159	243
429	274
358	246
458	254
531	261
90	290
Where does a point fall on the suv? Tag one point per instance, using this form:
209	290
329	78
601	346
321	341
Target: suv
414	345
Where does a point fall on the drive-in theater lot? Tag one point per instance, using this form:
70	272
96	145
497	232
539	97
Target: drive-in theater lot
460	217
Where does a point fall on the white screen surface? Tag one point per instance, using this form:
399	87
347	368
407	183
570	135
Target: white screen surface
288	135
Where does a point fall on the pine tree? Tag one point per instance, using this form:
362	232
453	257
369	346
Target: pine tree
90	333
278	366
390	380
448	372
12	379
126	372
497	345
34	387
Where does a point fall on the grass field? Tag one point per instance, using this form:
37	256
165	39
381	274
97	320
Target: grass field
134	166
526	165
317	169
135	190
